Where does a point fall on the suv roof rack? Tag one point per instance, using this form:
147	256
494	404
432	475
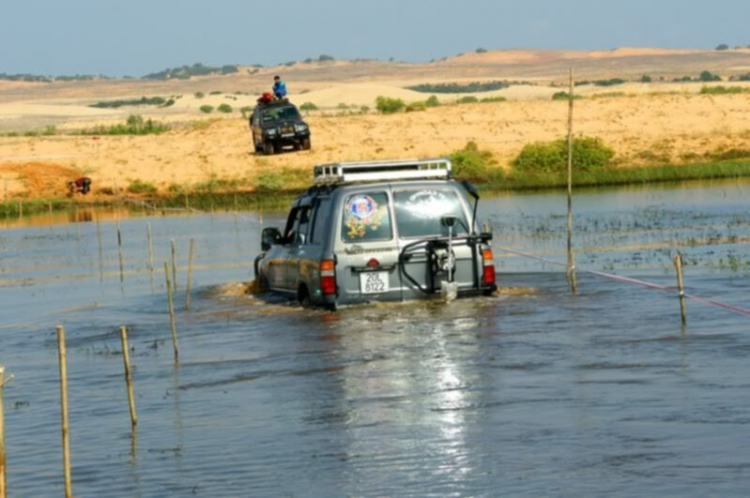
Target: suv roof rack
404	169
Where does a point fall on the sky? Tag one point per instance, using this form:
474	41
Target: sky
136	37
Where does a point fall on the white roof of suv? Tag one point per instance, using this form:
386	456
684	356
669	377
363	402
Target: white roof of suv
404	169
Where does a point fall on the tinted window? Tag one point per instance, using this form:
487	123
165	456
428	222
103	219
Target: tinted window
419	213
282	113
321	221
366	218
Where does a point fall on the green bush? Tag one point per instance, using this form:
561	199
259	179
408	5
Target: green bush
473	164
646	79
416	107
388	105
589	154
709	76
467	100
488	100
225	108
199	95
208	109
723	46
308	106
474	87
116	104
274	180
141	187
432	101
564	96
135	125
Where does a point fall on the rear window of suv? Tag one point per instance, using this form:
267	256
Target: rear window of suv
366	218
419	213
285	113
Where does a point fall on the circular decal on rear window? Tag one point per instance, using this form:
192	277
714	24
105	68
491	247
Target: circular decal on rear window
362	207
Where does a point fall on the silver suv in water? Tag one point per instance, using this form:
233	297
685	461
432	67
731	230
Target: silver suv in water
379	231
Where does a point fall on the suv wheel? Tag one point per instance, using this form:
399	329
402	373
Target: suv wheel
304	297
306	144
269	148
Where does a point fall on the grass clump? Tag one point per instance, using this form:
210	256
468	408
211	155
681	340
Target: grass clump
589	154
388	105
432	101
308	106
135	125
225	108
565	96
141	187
723	90
280	180
469	99
488	100
207	109
416	107
471	163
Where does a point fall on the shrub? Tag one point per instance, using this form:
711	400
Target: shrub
342	106
709	76
481	50
646	79
141	187
564	96
416	107
388	105
723	90
135	125
487	100
199	95
225	108
744	77
308	106
208	109
116	104
274	180
467	100
364	109
473	164
589	154
432	101
723	46
474	87
326	58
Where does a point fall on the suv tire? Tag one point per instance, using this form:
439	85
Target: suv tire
269	148
306	144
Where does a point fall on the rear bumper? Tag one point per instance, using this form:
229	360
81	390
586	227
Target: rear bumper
405	295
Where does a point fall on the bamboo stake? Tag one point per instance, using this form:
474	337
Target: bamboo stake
172	324
190	274
3	480
119	248
571	273
128	376
64	409
174	265
150	255
681	287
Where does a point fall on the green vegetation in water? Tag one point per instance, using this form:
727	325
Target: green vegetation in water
473	87
135	125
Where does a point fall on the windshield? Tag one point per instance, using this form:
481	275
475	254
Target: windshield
281	113
419	213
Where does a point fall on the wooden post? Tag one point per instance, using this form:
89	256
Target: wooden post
128	376
3	480
571	273
119	248
190	274
64	409
20	209
172	324
680	287
187	202
150	255
174	265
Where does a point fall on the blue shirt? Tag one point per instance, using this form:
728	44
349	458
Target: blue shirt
279	89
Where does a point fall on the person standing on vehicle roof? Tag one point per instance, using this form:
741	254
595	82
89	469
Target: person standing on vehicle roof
279	88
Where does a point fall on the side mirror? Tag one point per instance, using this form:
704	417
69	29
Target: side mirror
449	221
471	189
269	237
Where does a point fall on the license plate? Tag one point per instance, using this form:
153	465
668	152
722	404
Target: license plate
287	135
373	282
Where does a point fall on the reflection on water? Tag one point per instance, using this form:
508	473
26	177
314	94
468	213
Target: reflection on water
532	392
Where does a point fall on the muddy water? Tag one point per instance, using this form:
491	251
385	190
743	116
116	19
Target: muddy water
533	392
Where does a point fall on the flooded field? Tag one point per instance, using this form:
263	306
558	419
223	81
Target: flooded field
532	392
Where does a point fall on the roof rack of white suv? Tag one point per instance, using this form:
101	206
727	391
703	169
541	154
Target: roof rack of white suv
404	169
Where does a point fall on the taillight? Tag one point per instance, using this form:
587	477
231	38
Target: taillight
488	275
328	277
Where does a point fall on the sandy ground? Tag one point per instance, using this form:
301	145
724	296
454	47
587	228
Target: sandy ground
637	127
642	122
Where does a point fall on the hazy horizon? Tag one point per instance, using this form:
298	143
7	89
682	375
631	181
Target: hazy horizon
95	37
